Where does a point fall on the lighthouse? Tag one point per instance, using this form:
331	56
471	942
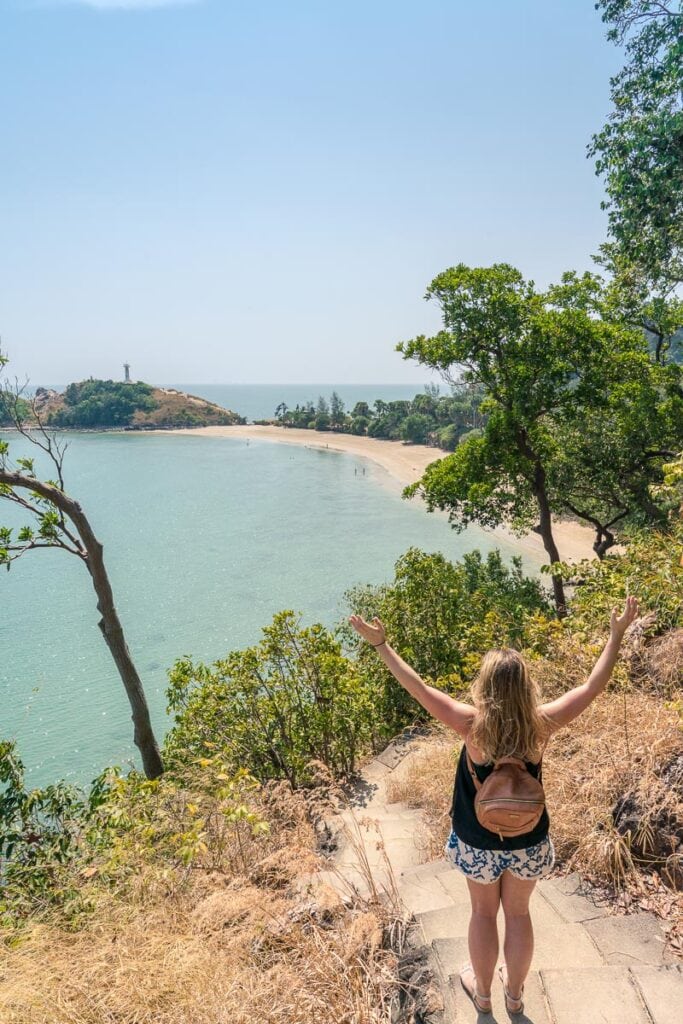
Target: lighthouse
126	370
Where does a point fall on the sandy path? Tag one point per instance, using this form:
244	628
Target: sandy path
404	463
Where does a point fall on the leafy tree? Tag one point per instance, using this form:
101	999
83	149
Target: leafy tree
41	833
63	850
273	707
425	404
639	151
442	616
670	489
60	522
361	409
337	413
7	400
542	359
449	436
416	428
388	419
650	566
322	414
659	313
282	413
301	416
103	403
359	424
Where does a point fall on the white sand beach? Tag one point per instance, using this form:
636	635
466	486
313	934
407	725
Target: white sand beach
405	463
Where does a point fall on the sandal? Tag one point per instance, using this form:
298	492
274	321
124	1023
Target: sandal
518	1006
478	1000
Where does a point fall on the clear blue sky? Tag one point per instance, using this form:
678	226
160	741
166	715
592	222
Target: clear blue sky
260	192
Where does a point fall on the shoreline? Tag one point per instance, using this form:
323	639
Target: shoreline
404	463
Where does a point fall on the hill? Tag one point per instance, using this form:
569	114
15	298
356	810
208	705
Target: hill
134	405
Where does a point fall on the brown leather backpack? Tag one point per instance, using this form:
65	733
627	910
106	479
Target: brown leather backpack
510	801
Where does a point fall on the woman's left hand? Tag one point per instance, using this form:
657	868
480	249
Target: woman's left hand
374	632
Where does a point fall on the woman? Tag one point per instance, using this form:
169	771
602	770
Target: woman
506	719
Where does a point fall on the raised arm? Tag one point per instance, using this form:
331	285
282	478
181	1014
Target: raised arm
452	712
570	705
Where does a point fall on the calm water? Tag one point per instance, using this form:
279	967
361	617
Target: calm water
205	538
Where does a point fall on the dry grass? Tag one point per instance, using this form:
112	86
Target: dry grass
425	781
262	945
164	966
659	664
618	747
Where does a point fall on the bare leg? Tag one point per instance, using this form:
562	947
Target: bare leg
519	932
483	932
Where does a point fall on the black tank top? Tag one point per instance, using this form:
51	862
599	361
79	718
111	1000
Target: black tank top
464	820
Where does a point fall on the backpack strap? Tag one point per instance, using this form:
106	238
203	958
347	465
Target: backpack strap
503	760
470	768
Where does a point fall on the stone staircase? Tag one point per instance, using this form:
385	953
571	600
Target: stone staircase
590	967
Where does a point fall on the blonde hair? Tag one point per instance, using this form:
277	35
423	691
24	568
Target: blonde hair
507	721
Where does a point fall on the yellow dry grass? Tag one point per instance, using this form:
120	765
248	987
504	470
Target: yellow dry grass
618	746
263	945
425	781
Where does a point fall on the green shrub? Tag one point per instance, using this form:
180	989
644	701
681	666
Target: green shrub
359	424
449	437
441	617
273	707
650	567
42	835
62	850
103	403
416	428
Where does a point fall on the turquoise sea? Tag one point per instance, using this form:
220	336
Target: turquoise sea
204	539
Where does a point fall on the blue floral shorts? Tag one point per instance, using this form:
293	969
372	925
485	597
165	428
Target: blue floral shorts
488	865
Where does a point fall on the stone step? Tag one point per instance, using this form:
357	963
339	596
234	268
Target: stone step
401	853
378	801
450	955
390	828
557	940
570	898
421	897
535	1005
453	882
442	952
661	989
443	916
351	882
426	870
606	995
610	994
630	939
448	921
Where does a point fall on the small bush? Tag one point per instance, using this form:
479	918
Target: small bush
273	707
441	617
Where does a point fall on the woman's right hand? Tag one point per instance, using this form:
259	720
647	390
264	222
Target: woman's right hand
374	632
618	624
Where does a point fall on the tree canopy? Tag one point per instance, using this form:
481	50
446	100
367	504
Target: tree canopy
579	416
639	150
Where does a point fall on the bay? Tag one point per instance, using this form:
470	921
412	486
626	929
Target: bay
205	538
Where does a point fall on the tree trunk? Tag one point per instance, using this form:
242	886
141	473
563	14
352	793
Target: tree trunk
545	528
109	624
545	521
